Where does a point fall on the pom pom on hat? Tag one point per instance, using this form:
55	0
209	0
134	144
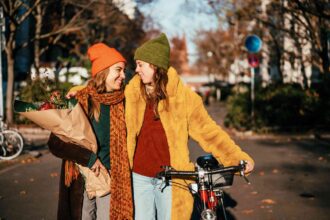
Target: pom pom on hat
103	57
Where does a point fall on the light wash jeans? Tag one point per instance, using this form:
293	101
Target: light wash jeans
96	208
149	200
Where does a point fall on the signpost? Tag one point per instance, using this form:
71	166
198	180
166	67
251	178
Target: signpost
253	44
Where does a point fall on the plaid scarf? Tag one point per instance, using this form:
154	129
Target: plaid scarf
121	201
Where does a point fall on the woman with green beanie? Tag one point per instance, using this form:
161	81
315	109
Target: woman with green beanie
161	114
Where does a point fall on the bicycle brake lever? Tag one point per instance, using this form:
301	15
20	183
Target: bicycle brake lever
247	180
162	175
164	180
243	164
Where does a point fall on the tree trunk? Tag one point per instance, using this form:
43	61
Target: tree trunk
10	45
302	64
324	52
10	87
38	18
279	64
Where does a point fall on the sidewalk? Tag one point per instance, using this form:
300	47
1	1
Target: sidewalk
35	145
33	135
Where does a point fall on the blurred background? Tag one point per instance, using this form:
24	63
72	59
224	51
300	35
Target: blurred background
271	94
44	46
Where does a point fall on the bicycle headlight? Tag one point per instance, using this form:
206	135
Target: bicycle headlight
208	214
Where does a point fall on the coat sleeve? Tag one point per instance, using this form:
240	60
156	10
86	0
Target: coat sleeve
69	151
211	137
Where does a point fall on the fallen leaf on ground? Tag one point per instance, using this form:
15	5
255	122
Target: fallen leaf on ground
248	211
268	201
23	192
265	206
54	174
321	158
254	193
275	170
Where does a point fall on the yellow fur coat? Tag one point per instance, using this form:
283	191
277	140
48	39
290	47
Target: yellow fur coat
186	117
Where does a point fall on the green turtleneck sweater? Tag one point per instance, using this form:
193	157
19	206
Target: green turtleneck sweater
102	132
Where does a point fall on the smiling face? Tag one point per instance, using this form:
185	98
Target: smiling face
145	71
115	77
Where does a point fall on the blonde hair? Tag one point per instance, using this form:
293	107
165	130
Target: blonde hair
99	83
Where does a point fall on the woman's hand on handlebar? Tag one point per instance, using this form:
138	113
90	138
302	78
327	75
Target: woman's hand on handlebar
249	166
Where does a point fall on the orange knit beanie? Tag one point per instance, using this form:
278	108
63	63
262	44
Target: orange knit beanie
103	57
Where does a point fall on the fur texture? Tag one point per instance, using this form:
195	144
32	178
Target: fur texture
186	117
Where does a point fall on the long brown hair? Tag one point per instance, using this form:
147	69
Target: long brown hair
161	79
99	83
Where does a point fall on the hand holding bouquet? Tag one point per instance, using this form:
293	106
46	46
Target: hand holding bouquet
69	122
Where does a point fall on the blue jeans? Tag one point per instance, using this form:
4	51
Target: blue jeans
148	198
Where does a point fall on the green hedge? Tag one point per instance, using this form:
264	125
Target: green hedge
279	107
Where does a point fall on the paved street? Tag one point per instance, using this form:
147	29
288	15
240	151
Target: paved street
29	190
291	181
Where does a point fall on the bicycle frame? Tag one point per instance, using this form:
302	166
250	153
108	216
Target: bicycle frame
11	143
206	187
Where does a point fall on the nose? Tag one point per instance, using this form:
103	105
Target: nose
122	74
137	69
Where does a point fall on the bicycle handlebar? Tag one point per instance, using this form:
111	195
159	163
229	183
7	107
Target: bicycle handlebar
168	172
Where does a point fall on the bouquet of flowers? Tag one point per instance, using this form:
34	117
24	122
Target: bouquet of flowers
68	121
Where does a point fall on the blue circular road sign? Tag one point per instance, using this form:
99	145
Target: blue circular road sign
253	43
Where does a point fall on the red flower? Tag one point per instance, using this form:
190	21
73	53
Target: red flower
46	106
55	97
55	101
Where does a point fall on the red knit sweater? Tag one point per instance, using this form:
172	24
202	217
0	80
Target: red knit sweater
152	149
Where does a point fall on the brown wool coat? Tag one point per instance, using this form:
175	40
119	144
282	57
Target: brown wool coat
186	118
70	198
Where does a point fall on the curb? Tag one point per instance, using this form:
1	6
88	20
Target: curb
33	135
297	136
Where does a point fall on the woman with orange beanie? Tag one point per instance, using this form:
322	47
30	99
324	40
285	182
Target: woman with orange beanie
161	114
102	100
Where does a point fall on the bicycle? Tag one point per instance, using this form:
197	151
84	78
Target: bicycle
11	143
210	179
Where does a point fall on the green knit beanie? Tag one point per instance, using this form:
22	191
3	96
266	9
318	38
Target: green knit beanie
155	51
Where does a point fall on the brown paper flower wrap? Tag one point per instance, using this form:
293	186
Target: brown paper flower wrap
73	126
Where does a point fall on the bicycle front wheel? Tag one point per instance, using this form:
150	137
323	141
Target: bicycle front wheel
11	146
